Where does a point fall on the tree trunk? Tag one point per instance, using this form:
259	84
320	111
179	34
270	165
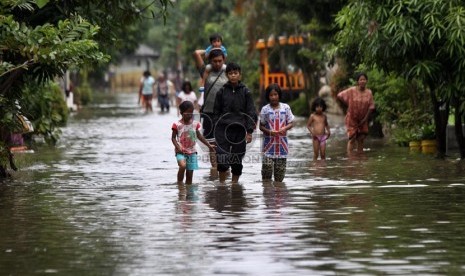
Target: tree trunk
441	114
458	127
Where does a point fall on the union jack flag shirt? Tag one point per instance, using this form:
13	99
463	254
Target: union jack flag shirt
275	119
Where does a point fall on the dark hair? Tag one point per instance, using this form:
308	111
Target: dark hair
271	87
215	52
318	102
215	36
358	75
185	105
232	67
147	73
185	84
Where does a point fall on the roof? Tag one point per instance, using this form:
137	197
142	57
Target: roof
145	51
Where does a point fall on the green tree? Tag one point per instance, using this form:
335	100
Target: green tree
417	40
188	29
242	23
41	39
316	20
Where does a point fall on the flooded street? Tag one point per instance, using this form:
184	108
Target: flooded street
105	202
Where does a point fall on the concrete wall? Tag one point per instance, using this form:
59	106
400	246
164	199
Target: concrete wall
451	145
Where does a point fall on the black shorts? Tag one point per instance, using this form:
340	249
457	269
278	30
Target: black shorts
231	146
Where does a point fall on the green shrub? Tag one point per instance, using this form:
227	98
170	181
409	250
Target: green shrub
300	106
46	108
428	132
83	94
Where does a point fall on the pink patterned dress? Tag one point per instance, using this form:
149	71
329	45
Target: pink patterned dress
359	103
187	135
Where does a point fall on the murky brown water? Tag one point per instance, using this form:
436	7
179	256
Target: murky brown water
106	202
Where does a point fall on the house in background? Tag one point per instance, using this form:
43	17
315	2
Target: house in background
126	75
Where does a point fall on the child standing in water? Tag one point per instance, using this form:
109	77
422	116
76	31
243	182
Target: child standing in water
235	120
318	127
185	132
276	119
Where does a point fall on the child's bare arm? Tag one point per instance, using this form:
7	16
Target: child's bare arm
175	141
204	141
327	129
309	124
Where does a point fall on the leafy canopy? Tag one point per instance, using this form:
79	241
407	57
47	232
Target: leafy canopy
416	39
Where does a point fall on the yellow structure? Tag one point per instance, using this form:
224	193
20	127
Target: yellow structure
291	82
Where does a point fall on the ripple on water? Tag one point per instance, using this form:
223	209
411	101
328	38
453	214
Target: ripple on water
106	201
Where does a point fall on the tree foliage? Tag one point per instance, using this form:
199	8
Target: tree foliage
242	23
418	40
41	39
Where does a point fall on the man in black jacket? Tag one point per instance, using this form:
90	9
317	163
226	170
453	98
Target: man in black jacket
235	120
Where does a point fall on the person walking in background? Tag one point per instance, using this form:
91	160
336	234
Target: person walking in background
276	119
163	92
235	120
186	94
318	127
172	92
146	90
359	102
214	82
185	132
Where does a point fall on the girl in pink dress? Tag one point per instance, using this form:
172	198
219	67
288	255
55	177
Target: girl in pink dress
360	105
184	136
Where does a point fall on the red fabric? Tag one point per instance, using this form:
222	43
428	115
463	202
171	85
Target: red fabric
359	103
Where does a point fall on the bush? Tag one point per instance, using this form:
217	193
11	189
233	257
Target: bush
402	136
428	132
300	106
46	108
83	94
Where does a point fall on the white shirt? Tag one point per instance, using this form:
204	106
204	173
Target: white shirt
183	96
147	88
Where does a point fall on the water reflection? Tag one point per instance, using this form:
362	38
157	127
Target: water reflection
276	194
318	168
188	196
226	197
188	192
105	202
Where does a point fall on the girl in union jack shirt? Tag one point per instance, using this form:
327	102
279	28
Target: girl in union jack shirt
276	119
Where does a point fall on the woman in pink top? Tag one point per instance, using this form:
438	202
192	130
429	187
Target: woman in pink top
360	105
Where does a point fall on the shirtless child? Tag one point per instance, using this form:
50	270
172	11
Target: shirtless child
318	127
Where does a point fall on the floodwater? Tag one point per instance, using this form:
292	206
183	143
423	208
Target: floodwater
105	202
